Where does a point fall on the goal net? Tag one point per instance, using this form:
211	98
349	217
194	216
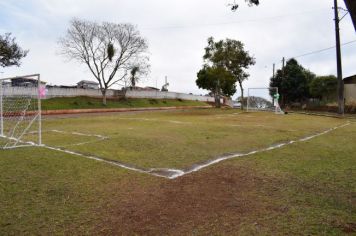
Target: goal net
263	99
20	111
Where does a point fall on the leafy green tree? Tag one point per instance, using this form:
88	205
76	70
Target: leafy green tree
324	88
231	55
217	80
10	52
292	82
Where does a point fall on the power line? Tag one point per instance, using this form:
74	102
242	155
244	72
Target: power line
235	22
322	50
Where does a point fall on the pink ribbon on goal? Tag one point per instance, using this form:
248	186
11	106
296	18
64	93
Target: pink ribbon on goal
42	91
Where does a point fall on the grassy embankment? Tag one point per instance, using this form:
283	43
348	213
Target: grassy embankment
96	103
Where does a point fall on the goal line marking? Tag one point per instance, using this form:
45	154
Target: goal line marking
175	173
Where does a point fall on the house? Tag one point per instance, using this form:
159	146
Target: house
87	84
25	82
350	89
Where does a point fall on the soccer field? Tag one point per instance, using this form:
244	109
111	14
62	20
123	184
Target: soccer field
88	161
170	144
178	140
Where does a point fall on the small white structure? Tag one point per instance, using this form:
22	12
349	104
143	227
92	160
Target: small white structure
350	89
87	84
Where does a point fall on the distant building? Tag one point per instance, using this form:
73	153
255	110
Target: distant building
136	88
87	84
25	82
350	89
150	89
62	86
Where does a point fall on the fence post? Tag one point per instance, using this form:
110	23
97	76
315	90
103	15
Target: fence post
39	111
248	100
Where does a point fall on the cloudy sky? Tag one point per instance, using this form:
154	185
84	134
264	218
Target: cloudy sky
177	31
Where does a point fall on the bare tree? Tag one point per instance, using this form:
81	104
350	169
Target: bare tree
260	103
109	50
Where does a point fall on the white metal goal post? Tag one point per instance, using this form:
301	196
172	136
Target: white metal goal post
20	111
263	99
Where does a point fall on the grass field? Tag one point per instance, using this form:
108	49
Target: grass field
95	103
305	188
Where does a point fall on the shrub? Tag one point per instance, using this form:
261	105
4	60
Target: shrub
152	101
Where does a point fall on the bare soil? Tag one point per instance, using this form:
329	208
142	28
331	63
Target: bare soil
208	202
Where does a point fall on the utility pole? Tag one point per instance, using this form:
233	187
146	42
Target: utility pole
283	64
283	74
274	75
340	85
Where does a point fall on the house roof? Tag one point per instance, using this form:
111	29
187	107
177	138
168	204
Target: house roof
87	82
350	80
27	79
351	6
151	88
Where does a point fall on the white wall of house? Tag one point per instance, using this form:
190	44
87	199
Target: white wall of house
350	93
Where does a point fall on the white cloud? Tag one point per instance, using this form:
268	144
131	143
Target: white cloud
177	32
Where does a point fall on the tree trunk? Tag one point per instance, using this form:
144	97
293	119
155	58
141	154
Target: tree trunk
217	100
242	96
217	95
103	91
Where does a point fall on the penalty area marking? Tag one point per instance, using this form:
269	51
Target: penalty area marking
175	173
97	136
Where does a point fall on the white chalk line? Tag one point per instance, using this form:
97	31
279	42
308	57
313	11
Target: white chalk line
273	147
175	173
151	171
99	138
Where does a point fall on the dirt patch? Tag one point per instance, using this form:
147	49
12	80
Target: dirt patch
349	228
202	203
